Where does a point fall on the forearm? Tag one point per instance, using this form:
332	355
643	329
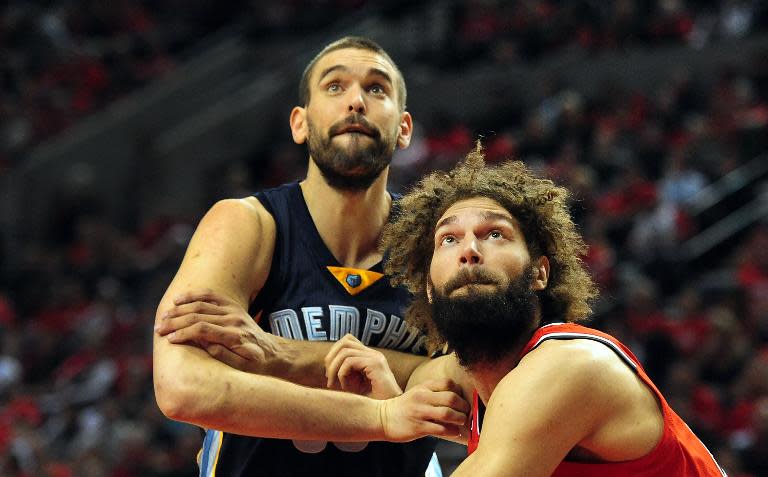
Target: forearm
302	362
496	464
442	367
210	394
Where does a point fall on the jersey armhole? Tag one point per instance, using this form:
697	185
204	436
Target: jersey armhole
267	292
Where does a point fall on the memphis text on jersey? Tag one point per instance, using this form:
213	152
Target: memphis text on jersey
330	323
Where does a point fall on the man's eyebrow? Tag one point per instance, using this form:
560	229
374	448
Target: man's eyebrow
330	70
371	72
446	221
498	216
382	73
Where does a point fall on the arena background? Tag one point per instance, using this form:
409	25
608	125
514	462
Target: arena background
121	122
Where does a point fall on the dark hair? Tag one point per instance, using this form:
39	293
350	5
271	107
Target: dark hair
359	43
538	204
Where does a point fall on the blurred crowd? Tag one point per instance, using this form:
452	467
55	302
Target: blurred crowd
530	30
76	393
65	59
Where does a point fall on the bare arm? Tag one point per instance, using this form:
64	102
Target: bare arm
561	395
229	255
206	306
223	328
443	367
446	367
188	383
303	362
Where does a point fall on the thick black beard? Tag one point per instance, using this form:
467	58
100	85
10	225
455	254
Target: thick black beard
335	163
486	327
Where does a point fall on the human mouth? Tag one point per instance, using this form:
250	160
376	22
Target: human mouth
468	281
354	128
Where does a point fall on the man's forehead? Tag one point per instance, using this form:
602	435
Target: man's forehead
482	208
353	58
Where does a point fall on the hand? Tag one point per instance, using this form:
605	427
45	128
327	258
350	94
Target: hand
432	408
360	370
221	327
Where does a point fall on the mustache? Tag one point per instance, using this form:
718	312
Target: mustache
477	276
354	120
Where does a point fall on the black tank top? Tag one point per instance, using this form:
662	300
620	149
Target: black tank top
310	296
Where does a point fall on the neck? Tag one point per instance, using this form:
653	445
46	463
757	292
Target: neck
349	222
486	375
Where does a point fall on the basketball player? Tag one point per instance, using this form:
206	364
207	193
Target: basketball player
303	258
492	258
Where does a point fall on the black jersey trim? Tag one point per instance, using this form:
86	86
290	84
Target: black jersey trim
568	335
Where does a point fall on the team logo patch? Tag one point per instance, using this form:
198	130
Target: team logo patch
354	280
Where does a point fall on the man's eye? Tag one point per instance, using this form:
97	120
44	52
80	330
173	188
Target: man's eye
447	240
496	235
376	89
334	88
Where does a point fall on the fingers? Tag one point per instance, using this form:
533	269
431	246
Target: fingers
204	334
344	348
421	411
201	307
350	377
441	430
445	415
450	399
442	384
347	341
226	356
171	325
188	314
349	367
206	295
442	405
333	368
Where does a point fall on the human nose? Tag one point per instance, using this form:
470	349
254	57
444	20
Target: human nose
470	253
356	100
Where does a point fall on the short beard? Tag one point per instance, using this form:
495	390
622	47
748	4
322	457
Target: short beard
345	169
484	327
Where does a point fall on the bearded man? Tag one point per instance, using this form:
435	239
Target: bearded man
302	259
492	258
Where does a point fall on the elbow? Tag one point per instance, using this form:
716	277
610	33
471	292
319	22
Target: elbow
174	398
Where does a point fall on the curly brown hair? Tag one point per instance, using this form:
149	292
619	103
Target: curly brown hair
538	204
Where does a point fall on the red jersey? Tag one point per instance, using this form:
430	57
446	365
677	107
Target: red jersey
679	453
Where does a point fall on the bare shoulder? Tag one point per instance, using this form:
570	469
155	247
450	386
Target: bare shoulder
583	360
244	214
626	419
232	248
572	376
241	227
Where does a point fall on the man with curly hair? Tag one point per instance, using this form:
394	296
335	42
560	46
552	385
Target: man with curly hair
492	258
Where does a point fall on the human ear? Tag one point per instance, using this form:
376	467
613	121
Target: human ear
405	130
540	273
298	122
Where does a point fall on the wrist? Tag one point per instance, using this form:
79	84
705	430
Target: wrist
278	355
381	408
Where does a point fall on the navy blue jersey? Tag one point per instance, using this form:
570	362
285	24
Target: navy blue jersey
310	296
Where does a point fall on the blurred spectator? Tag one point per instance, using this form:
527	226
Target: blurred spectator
75	320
